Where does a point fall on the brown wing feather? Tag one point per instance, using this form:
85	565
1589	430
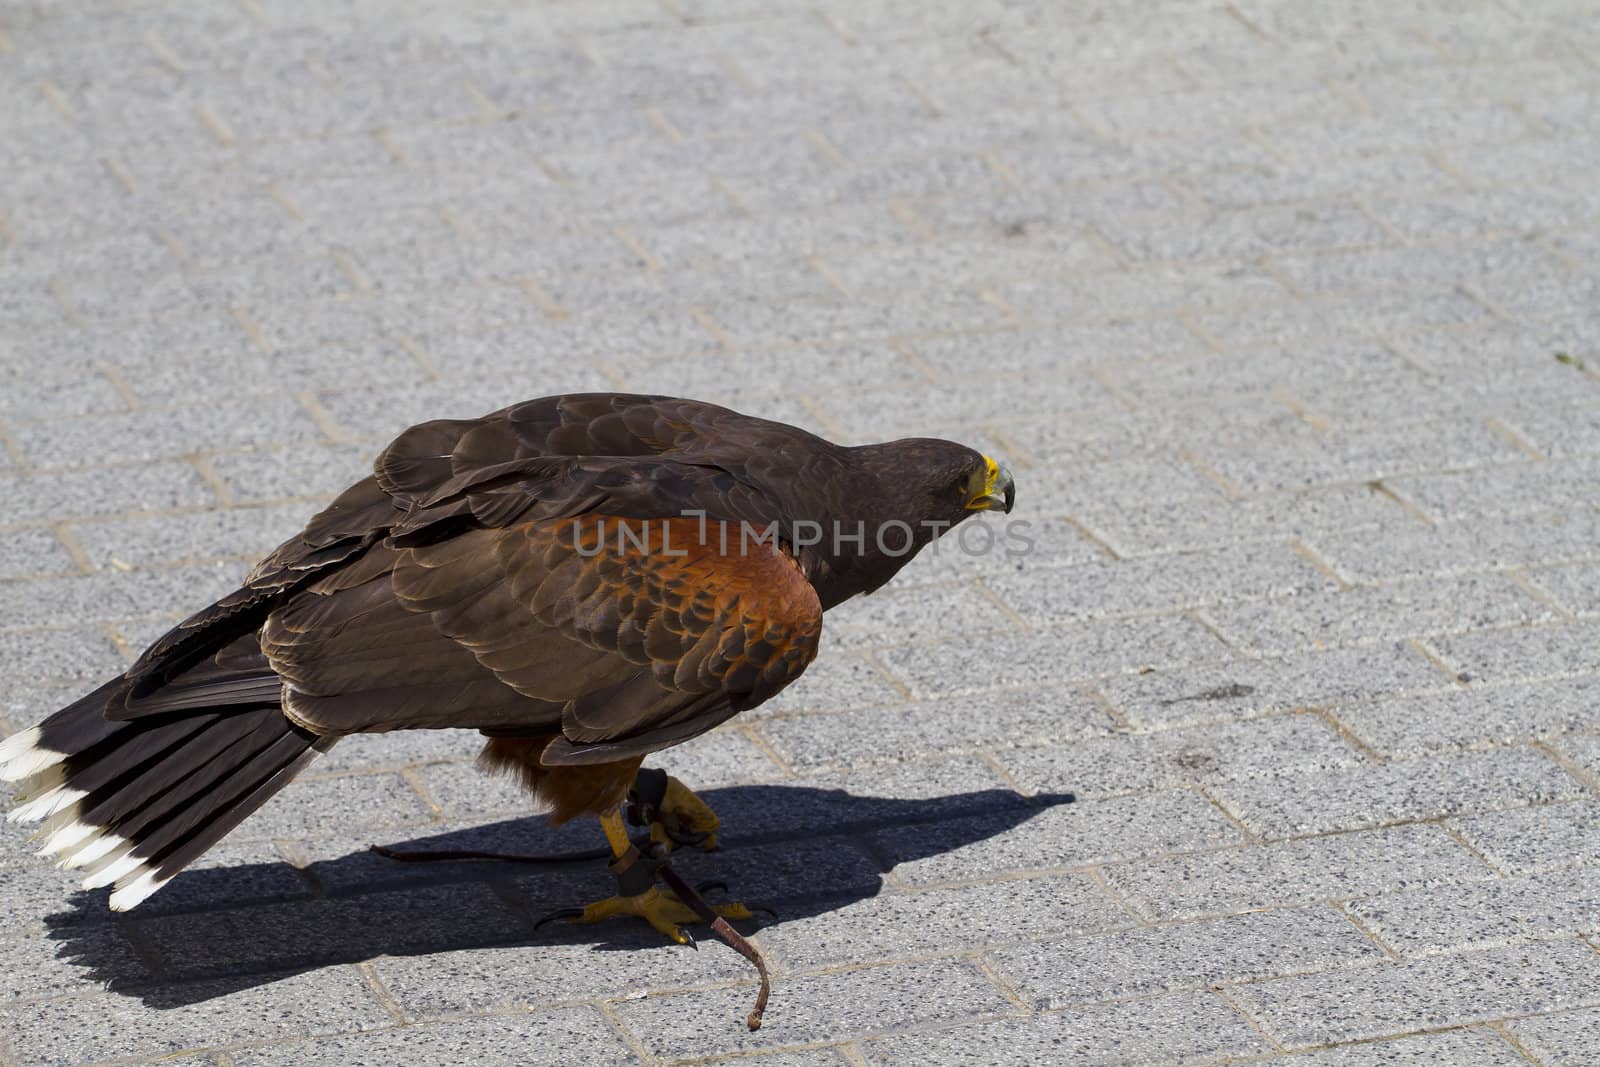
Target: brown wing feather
652	638
444	589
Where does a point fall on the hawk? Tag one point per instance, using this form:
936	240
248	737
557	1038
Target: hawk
585	579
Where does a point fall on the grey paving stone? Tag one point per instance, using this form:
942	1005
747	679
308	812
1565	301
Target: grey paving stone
1125	763
1486	914
731	242
1244	688
147	435
914	613
1422	267
38	968
868	316
1197	275
251	940
724	757
1278	182
940	921
44	393
986	721
1369	134
115	596
715	376
1513	489
1359	455
1575	587
617	960
1469	1048
34	553
1583	750
1160	583
837	682
1322	320
982	548
1561	1039
1324	868
871	415
825	1056
1496	542
1379	613
1084	970
80	655
1512	655
400	748
1143	434
977	263
1529	840
1150	291
840	1004
233	874
306	470
555	1037
315	806
1475	718
1422	994
1072	835
1138	527
1028	352
1358	797
1061	654
249	533
1233	236
69	1031
37	889
1352	365
1194	1027
157	486
377	415
1485	214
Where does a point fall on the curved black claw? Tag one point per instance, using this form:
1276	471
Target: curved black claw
560	913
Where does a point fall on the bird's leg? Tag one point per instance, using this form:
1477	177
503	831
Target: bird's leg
675	815
637	893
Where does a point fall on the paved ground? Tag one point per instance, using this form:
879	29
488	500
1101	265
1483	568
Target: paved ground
1286	314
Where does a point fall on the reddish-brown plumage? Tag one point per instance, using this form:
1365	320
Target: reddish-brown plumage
565	792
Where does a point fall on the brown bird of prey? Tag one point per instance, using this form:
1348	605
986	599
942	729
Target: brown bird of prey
586	579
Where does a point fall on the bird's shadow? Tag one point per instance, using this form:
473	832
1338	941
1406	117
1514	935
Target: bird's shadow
804	851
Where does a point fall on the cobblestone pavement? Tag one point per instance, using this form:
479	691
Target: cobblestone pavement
1286	315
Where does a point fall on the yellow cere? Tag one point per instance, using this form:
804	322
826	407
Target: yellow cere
991	475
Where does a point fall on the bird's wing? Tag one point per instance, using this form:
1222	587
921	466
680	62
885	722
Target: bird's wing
546	458
622	635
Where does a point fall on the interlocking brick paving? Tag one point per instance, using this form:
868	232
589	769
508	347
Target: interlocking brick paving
1284	314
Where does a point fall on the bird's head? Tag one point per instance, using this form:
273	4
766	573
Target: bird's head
897	498
924	479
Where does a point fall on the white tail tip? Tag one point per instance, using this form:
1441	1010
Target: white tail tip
130	895
21	755
119	868
46	804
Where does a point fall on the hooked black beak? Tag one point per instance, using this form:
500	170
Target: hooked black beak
1006	489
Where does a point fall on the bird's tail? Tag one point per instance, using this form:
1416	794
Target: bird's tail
131	803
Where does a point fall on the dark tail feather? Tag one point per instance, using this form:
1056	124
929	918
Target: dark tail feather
131	803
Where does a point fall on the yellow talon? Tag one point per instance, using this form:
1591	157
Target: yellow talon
661	910
684	813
